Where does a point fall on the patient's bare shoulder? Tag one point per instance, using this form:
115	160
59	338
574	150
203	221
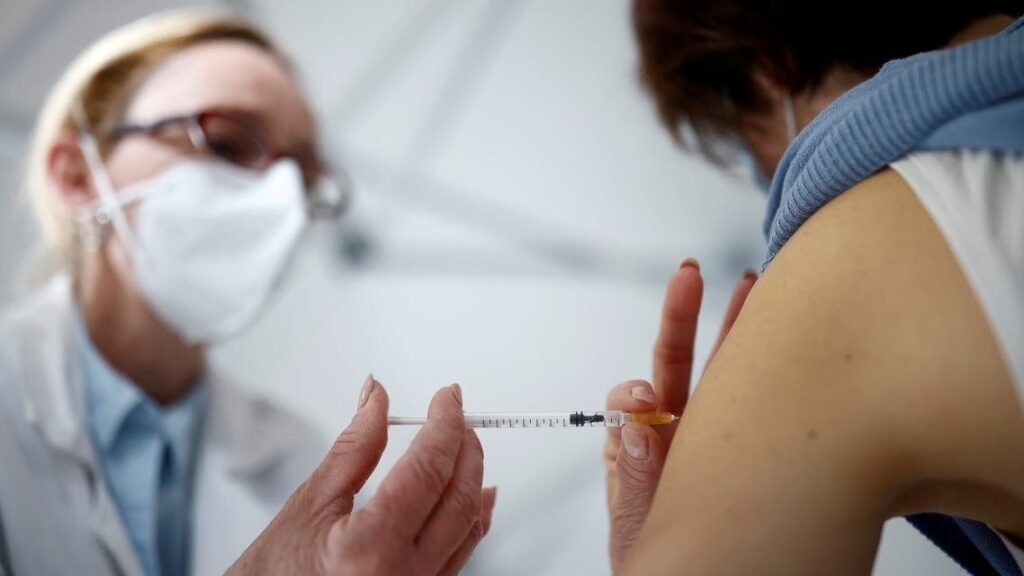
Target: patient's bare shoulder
920	326
861	381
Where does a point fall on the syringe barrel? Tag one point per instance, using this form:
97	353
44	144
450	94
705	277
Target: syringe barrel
517	420
597	419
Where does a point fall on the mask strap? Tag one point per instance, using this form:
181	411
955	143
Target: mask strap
109	209
787	111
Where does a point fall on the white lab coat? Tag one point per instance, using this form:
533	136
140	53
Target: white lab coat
59	517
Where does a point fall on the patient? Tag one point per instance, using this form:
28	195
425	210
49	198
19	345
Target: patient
877	367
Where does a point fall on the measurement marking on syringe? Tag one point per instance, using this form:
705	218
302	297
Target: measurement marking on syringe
598	419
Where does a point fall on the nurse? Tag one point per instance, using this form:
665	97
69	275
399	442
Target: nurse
174	169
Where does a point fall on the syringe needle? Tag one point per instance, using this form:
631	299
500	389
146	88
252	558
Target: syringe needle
600	418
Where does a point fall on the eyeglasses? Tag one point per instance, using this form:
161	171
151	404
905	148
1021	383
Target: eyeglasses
236	138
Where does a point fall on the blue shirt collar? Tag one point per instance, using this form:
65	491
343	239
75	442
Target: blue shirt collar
111	399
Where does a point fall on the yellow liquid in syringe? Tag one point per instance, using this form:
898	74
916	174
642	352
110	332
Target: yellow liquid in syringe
652	418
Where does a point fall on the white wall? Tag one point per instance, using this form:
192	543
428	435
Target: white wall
522	219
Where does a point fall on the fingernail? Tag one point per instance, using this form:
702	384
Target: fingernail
750	274
364	395
691	263
635	443
457	390
643	393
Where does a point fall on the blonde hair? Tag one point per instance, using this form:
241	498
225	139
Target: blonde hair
103	80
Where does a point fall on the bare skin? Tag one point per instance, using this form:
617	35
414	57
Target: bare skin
431	511
902	402
214	74
426	518
635	454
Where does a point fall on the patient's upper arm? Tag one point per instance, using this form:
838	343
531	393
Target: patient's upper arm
860	369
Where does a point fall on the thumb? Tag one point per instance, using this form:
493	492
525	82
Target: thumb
356	451
639	464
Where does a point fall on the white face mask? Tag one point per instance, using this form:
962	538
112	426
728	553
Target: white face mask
211	241
790	116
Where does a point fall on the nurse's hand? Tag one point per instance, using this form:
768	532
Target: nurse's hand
634	455
426	518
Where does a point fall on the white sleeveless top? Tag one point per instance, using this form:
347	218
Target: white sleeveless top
976	199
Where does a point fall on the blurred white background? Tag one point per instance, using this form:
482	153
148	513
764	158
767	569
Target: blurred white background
518	212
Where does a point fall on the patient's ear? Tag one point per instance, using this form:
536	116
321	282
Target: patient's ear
68	172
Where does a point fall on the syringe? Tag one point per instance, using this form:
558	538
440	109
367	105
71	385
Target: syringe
605	419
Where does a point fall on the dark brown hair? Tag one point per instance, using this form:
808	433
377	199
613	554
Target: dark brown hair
698	58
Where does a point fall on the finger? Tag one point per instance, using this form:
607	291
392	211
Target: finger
673	350
488	498
412	489
458	560
356	451
631	396
739	297
458	512
639	464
